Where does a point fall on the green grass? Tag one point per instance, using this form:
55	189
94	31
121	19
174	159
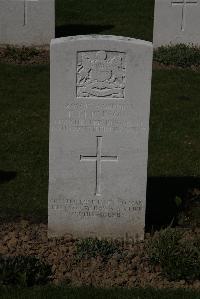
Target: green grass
85	293
178	258
174	143
93	247
133	18
24	94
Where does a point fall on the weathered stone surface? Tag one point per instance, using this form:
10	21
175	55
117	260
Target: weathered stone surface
27	22
99	122
176	21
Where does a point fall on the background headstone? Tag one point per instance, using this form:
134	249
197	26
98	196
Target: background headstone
99	122
27	22
176	21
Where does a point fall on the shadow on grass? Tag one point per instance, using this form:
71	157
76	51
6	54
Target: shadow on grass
6	176
161	209
10	215
80	29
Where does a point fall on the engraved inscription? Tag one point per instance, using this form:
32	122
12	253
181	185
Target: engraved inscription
97	117
184	4
100	74
98	159
83	208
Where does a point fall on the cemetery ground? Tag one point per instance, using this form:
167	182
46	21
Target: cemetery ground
172	193
173	189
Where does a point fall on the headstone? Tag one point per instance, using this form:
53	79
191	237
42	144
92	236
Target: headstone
176	21
99	122
27	22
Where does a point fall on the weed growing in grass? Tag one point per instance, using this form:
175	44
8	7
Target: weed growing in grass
180	55
23	271
93	247
178	201
22	54
178	256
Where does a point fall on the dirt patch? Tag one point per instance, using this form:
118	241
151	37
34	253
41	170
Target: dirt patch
133	270
161	66
24	55
41	55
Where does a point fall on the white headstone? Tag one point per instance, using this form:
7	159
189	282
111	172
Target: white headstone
27	22
99	122
176	21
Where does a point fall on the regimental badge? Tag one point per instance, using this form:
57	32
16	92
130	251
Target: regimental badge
100	74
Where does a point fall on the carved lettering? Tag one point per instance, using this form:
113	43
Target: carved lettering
95	207
111	117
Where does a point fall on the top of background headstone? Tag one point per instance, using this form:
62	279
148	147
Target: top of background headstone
100	37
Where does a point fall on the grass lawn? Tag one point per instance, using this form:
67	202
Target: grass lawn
174	143
24	93
85	293
132	18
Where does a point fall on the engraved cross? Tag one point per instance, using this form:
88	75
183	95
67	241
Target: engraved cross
98	159
184	4
25	3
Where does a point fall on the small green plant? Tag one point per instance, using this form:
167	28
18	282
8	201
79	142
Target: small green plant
93	247
23	271
20	54
178	201
179	257
180	55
